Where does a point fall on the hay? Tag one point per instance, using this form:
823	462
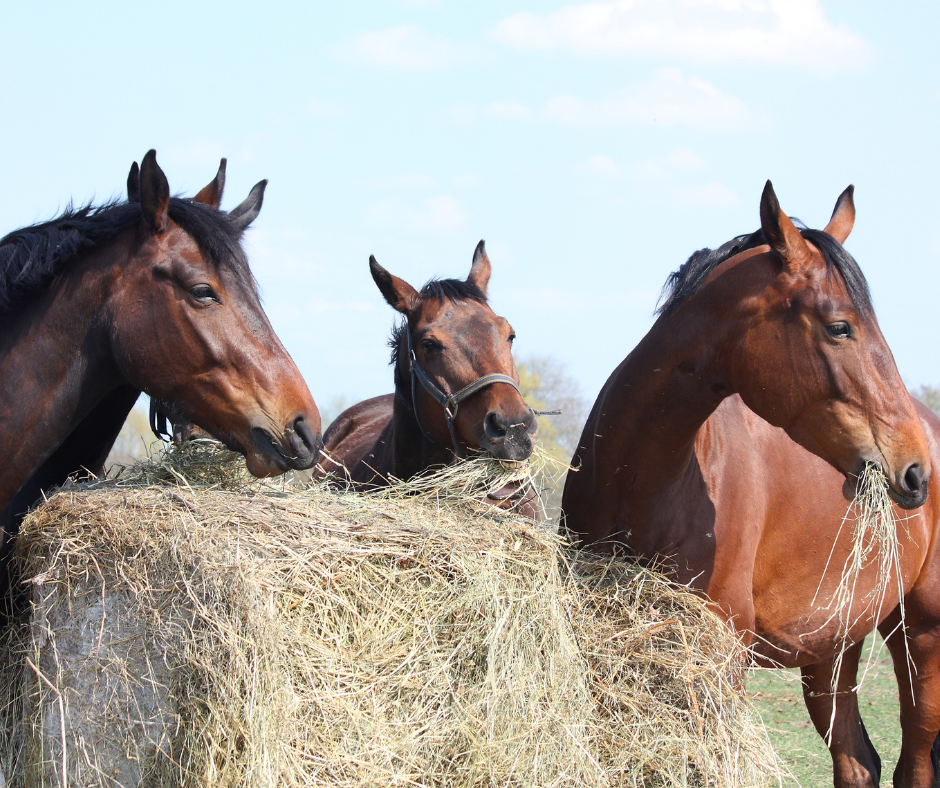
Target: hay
198	464
187	636
874	542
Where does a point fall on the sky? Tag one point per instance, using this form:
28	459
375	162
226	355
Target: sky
594	146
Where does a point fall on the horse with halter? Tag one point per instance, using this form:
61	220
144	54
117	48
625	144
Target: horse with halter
153	294
456	387
728	445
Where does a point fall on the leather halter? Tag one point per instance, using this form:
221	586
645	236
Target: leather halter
449	402
159	423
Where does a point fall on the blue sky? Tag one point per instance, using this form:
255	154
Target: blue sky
594	146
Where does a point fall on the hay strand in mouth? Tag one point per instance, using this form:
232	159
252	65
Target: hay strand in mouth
291	637
874	544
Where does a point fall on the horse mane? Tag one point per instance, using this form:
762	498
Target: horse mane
441	290
684	282
31	257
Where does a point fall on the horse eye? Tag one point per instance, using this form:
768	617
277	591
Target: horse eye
512	338
204	294
840	330
430	346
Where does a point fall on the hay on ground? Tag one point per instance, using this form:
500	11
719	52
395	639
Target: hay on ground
183	635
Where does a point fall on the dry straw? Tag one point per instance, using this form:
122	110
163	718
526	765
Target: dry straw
188	635
874	544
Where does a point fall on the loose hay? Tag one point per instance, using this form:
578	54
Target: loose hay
874	542
198	637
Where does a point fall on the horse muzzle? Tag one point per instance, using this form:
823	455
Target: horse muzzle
908	490
509	439
297	448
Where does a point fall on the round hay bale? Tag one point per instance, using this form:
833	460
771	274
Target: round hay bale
211	637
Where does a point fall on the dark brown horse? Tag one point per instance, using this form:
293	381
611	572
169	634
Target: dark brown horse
456	386
153	295
727	444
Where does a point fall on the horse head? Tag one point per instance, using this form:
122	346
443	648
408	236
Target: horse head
808	354
453	363
187	326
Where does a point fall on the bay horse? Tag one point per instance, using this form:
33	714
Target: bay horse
728	445
153	294
456	388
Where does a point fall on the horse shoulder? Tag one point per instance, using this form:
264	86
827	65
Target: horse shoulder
924	598
762	508
785	507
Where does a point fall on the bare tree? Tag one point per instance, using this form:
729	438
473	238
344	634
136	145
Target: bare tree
336	405
929	395
546	385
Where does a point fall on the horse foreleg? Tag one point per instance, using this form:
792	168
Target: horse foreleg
919	696
855	763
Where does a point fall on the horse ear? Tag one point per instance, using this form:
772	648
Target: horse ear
779	231
154	193
133	184
843	216
211	193
399	294
480	270
245	213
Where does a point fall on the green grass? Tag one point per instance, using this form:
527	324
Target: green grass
778	696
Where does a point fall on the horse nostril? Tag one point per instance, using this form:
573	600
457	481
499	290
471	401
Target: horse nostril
914	478
302	439
531	423
494	426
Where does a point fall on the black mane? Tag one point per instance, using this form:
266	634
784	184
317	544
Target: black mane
30	258
685	282
441	290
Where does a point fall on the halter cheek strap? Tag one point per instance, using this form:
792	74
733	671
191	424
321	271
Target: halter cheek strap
158	421
449	402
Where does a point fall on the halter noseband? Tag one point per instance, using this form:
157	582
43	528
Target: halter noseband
449	402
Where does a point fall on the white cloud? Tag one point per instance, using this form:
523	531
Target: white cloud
667	99
190	165
195	152
604	166
468	181
441	213
935	246
553	300
407	47
663	173
711	195
417	181
286	253
508	110
775	32
327	110
462	114
679	160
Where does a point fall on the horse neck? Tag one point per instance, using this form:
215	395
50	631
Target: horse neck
55	362
412	451
658	398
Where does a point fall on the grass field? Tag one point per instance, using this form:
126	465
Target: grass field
779	699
